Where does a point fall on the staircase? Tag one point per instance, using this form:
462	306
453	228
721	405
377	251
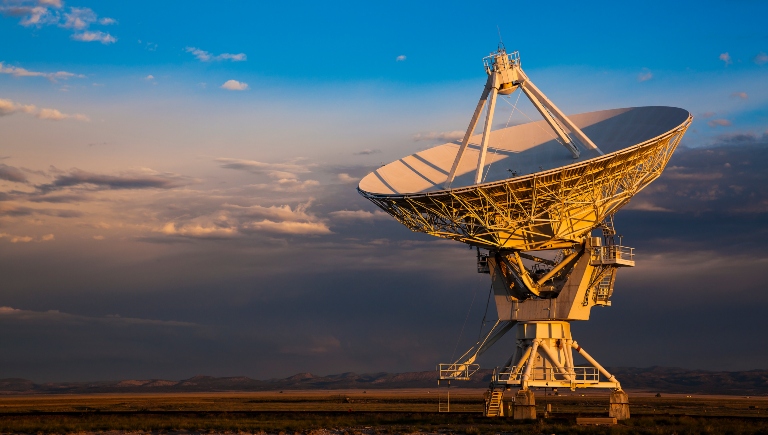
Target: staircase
493	407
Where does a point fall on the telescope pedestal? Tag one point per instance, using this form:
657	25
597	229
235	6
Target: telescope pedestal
543	358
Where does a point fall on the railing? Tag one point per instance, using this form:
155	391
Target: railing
612	254
490	61
460	372
579	374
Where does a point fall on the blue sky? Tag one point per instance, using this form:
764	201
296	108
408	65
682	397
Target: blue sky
178	176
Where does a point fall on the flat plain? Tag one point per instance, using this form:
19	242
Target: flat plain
368	411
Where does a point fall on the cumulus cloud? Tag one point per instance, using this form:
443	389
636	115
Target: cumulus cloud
742	95
346	178
760	59
149	77
204	56
240	221
234	85
726	58
40	13
21	72
719	123
448	136
400	58
56	115
8	107
97	36
644	75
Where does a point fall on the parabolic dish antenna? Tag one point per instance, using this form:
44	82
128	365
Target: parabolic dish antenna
530	197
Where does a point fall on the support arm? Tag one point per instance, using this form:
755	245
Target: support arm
470	130
595	364
487	128
551	121
529	87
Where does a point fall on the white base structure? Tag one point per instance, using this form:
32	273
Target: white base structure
544	358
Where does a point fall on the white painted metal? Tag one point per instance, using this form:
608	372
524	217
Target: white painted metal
524	149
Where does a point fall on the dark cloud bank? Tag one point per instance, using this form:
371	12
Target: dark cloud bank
372	296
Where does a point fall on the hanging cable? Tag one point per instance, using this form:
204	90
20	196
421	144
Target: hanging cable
495	150
477	287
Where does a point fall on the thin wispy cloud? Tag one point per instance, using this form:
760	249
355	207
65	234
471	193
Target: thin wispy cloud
39	13
367	152
9	107
447	136
204	56
644	75
234	85
22	72
10	173
359	215
761	58
726	58
400	58
146	179
719	123
98	36
742	95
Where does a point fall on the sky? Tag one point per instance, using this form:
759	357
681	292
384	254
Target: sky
178	182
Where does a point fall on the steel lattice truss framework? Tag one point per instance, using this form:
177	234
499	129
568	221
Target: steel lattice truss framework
545	210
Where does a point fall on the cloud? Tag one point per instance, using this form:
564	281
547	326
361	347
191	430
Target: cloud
79	18
400	58
234	85
742	95
9	173
97	36
204	56
149	77
708	114
234	221
40	13
644	75
55	115
726	58
8	107
275	170
760	59
21	72
448	136
56	316
292	228
346	178
24	239
367	152
719	123
143	180
359	215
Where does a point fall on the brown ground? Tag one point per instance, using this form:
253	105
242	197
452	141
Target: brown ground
372	411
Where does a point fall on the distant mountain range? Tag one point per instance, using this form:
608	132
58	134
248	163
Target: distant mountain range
654	379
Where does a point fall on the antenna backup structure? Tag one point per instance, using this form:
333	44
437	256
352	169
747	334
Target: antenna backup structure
534	231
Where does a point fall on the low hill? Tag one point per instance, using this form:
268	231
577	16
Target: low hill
654	379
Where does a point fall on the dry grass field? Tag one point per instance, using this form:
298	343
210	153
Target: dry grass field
364	412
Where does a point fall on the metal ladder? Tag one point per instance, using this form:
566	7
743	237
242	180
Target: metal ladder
494	404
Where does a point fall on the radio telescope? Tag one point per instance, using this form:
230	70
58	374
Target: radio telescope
537	202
